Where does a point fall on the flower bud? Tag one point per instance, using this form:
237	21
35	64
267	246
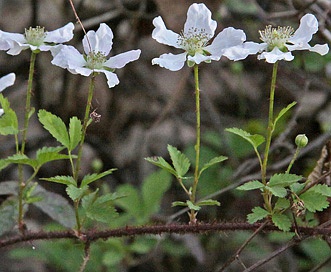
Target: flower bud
301	140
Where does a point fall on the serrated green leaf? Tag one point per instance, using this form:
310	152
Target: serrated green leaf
283	111
255	140
314	201
153	189
22	159
3	164
75	132
283	180
297	187
277	191
48	154
55	206
282	204
251	185
8	121
101	208
93	177
67	180
257	214
322	189
179	160
192	206
76	193
160	162
212	162
55	126
208	202
178	203
281	221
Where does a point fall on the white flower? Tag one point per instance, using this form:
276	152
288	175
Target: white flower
6	81
199	28
97	46
279	42
37	39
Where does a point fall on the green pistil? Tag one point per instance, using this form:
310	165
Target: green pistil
276	37
95	60
193	41
35	36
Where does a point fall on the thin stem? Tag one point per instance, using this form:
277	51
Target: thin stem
27	116
297	151
197	145
266	195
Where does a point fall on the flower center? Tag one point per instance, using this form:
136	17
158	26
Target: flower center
35	36
95	60
276	37
193	41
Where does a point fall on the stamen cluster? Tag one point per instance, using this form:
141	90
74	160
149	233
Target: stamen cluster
193	41
276	37
35	35
95	60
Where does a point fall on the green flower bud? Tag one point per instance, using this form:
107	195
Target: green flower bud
301	140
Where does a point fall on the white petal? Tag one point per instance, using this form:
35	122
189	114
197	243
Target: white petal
199	17
112	79
100	41
69	58
6	81
5	42
308	26
61	35
240	52
163	35
171	61
2	112
322	49
16	49
227	38
120	60
198	58
275	55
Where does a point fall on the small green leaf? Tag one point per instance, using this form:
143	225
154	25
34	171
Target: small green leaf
178	203
67	180
8	121
192	206
251	185
76	193
22	159
257	214
283	111
283	180
297	187
314	201
93	177
212	162
55	126
322	189
277	191
179	160
3	164
208	202
48	154
160	162
255	140
281	221
75	132
282	204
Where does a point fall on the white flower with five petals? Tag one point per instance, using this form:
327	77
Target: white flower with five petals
195	39
97	46
278	43
37	39
6	81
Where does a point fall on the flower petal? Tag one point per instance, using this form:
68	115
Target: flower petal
120	60
198	58
6	81
112	79
100	41
163	35
240	52
60	35
322	49
275	55
171	61
199	17
226	39
308	26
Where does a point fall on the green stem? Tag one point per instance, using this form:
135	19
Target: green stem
27	116
266	195
197	145
81	144
297	151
